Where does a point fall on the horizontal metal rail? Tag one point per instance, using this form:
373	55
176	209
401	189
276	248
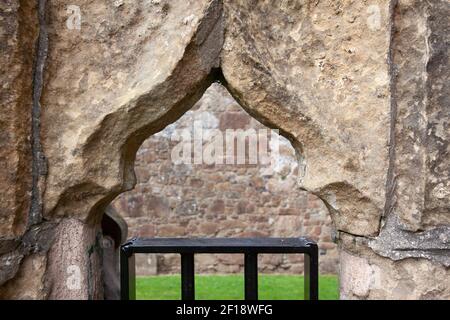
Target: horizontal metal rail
187	248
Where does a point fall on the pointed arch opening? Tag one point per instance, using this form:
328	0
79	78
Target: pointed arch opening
198	197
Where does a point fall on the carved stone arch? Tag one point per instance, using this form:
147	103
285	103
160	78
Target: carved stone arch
104	152
102	158
281	86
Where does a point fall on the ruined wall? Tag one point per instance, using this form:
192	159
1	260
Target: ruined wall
360	88
222	200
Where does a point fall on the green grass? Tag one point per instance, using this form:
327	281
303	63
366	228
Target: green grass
231	287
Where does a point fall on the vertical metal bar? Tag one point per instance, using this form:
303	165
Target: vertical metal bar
312	275
251	276
127	275
187	276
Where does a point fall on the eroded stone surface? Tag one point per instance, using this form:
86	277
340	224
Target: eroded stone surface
365	275
29	283
74	265
421	55
18	32
318	71
416	222
126	74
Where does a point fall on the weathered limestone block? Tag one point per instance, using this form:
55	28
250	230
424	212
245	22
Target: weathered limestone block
319	72
422	131
420	155
361	91
18	33
129	71
366	275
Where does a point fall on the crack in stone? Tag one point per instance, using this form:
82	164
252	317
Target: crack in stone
398	244
390	177
39	163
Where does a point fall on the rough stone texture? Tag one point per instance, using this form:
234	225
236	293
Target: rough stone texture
29	282
337	72
366	275
129	71
18	33
202	200
321	77
422	126
437	189
75	262
359	87
18	36
420	159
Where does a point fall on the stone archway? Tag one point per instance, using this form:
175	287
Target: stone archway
321	72
182	191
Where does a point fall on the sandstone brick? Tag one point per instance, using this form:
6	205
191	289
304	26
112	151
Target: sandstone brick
147	231
288	211
205	261
196	183
171	231
217	207
233	224
233	120
208	228
233	259
327	245
252	234
270	259
296	268
242	207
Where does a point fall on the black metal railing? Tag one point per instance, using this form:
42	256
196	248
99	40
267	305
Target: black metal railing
250	247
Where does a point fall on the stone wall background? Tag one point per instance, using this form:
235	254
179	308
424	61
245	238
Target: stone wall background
180	200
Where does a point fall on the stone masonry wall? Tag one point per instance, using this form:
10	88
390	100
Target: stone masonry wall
262	200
